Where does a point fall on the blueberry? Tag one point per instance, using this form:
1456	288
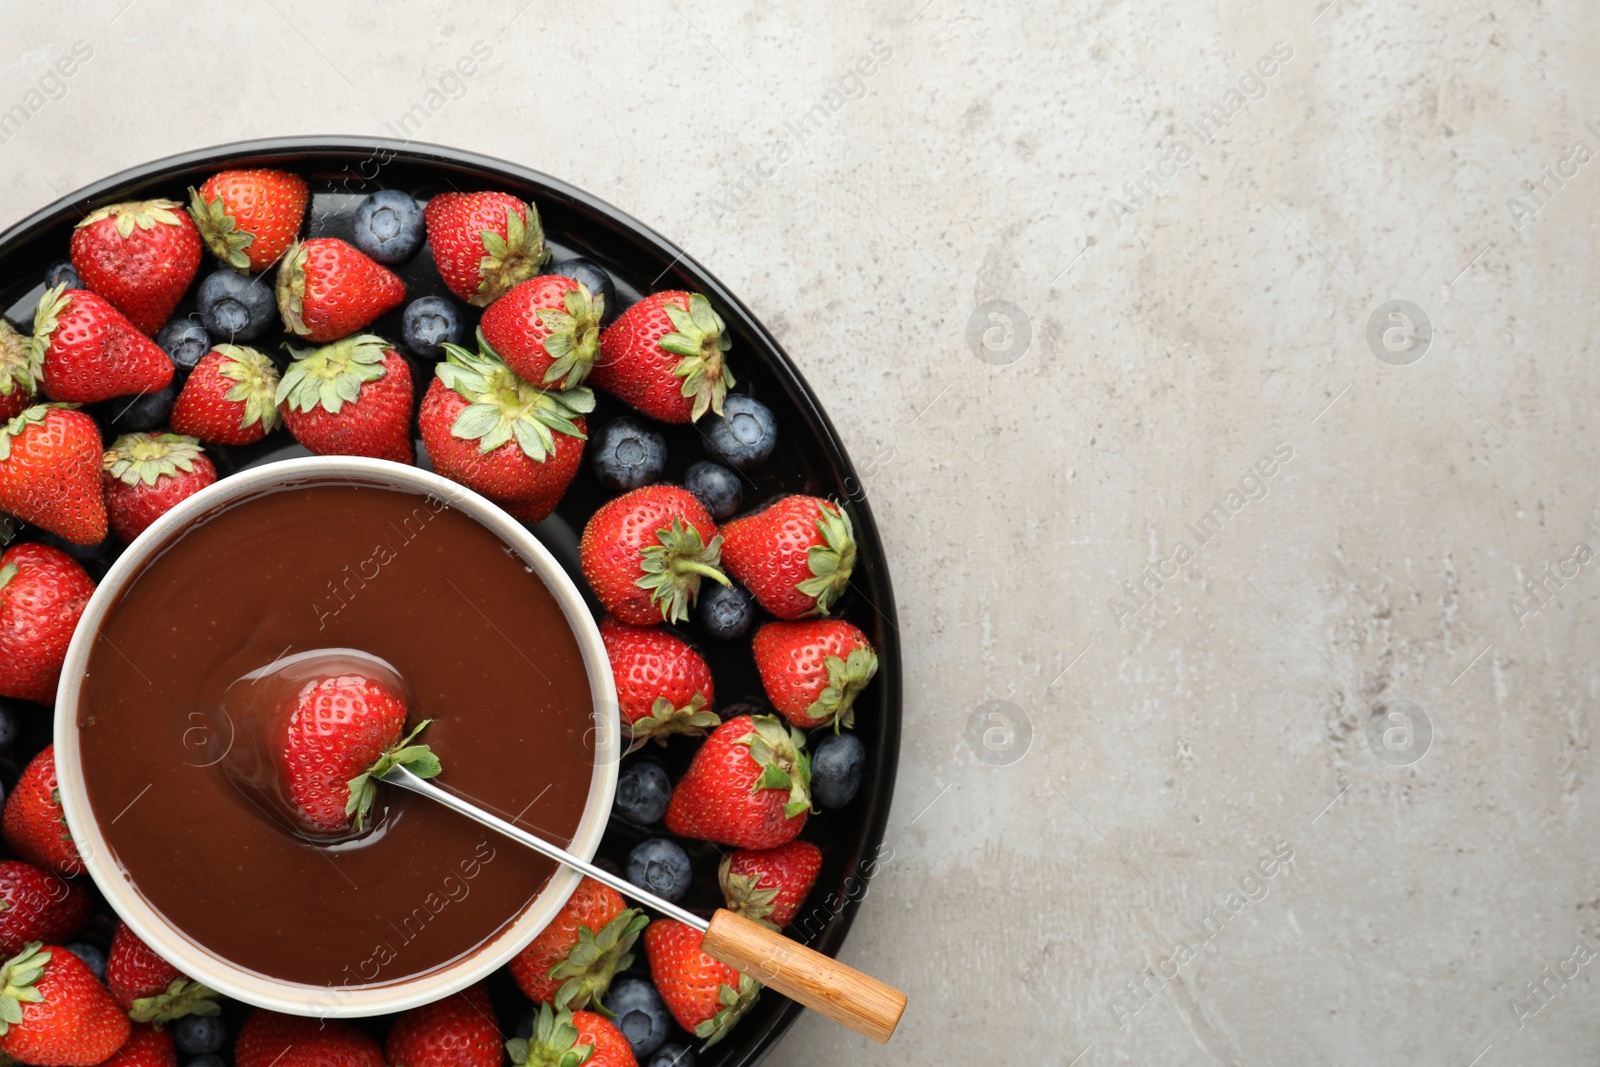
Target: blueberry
594	278
638	1013
388	226
198	1034
726	611
524	1025
62	272
836	765
643	790
673	1055
744	434
145	412
733	711
717	488
10	723
208	1060
185	340
628	454
236	307
100	553
92	957
661	866
429	322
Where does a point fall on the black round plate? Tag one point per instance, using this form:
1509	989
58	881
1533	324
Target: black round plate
810	459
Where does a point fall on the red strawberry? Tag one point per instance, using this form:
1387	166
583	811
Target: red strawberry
645	552
812	670
149	988
328	289
43	592
230	398
547	330
663	686
268	1039
16	373
769	886
665	356
484	243
147	475
571	963
140	255
749	786
86	350
50	472
33	824
795	557
248	217
458	1031
145	1047
567	1039
38	905
53	1011
493	432
706	996
343	732
350	398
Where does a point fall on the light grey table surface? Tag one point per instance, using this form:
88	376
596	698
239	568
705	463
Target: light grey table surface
870	178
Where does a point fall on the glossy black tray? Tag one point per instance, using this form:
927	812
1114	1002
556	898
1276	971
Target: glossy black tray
810	459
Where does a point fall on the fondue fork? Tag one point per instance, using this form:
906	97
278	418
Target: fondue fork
823	984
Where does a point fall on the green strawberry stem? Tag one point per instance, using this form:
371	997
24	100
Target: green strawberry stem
832	561
574	336
46	317
735	1002
553	1043
846	678
701	338
257	387
220	231
16	361
418	759
332	376
501	407
8	572
673	567
510	260
665	718
145	214
780	751
17	980
184	996
34	416
143	457
744	894
595	960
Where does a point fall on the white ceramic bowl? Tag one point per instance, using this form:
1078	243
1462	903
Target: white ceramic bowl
217	972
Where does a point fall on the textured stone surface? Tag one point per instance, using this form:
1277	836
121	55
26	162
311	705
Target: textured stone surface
1174	343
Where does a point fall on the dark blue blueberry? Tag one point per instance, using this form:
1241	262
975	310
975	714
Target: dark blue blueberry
643	790
145	412
10	723
638	1012
100	553
717	488
726	612
195	1035
388	226
628	454
733	711
62	272
673	1055
185	340
92	957
429	322
596	280
236	307
836	766
745	434
524	1026
661	866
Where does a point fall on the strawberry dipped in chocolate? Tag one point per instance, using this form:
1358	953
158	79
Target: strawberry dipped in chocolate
313	733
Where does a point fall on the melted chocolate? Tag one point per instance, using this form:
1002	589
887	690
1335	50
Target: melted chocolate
485	652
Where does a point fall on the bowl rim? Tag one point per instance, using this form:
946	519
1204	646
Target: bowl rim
168	941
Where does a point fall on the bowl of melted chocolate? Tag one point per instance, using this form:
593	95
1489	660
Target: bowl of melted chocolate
242	594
